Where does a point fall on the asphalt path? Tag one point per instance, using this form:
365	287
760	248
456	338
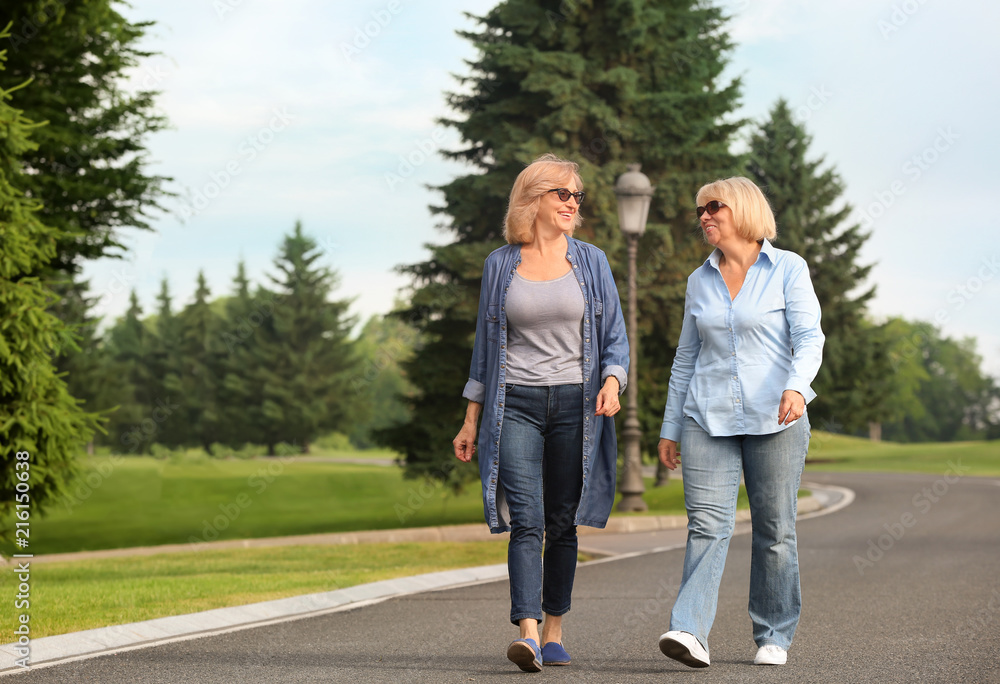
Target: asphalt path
903	585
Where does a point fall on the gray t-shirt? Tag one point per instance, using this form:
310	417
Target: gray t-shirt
545	331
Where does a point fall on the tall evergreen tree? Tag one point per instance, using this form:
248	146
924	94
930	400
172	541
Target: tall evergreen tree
239	396
42	428
605	83
306	359
200	357
130	345
90	168
165	368
853	382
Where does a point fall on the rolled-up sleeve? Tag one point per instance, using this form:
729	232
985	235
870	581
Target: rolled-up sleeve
802	312
614	342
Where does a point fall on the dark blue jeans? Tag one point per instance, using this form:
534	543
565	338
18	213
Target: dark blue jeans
541	471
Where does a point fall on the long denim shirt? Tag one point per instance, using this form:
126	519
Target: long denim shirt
605	353
737	356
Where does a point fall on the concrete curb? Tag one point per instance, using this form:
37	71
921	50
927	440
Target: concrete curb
62	648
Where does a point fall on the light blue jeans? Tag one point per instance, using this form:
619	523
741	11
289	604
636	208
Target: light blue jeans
772	469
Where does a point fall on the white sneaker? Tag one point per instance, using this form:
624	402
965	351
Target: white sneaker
769	654
684	648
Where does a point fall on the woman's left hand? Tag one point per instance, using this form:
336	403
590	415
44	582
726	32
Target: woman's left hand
791	408
607	398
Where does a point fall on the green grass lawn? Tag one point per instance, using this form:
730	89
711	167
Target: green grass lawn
74	596
840	453
141	501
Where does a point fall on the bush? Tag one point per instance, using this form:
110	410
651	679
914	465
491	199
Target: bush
286	449
250	450
334	441
219	450
159	451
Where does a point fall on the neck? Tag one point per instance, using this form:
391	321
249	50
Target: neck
741	253
548	243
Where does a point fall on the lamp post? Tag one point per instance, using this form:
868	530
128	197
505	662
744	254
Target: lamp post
634	193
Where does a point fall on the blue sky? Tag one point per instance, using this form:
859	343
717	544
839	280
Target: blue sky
301	110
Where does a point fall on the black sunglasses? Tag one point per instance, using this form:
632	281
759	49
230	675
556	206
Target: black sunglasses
564	195
711	207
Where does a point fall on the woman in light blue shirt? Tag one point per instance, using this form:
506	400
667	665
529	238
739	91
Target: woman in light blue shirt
750	346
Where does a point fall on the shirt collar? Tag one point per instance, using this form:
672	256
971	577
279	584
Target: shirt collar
766	249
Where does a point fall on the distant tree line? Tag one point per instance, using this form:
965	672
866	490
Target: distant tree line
265	365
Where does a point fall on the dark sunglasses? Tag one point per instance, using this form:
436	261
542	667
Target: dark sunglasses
564	195
711	207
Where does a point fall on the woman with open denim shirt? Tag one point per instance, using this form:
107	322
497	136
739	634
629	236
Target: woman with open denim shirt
549	363
749	347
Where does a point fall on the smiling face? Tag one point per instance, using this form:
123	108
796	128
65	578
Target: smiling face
556	216
719	226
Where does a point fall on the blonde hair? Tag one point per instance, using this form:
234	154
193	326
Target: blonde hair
545	173
751	210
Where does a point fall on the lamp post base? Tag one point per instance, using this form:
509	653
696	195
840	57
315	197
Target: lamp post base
632	503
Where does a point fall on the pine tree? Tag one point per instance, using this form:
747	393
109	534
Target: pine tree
305	359
239	395
90	168
43	429
130	343
164	364
200	357
604	83
852	384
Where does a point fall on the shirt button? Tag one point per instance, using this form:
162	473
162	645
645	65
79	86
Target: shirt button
734	354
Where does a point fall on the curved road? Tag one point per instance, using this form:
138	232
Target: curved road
901	586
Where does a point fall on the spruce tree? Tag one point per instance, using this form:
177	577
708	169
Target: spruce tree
43	429
200	358
239	393
90	168
853	382
166	388
130	344
305	359
604	83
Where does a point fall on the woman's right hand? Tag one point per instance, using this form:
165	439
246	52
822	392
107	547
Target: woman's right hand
465	443
669	454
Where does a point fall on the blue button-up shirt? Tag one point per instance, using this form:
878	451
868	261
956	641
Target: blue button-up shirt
736	357
605	353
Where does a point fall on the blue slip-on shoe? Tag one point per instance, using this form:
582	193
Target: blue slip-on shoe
553	653
525	654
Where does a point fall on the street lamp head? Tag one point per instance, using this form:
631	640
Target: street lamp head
634	193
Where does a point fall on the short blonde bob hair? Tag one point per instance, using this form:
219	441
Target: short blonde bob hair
545	173
751	210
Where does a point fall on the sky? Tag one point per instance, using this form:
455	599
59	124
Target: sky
325	113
